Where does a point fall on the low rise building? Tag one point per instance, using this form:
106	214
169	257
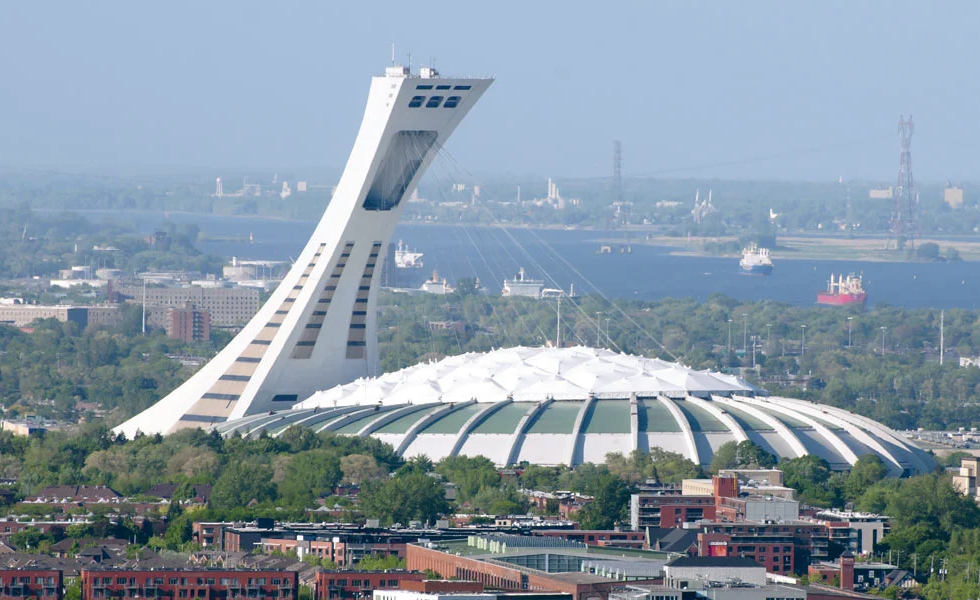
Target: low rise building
347	585
41	584
227	307
697	572
188	583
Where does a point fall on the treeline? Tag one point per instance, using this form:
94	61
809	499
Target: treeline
904	387
57	366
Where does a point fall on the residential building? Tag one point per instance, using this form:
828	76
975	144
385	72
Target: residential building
966	480
29	583
346	585
189	324
227	307
179	584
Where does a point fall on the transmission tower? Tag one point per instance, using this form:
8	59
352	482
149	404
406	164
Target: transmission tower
904	216
617	191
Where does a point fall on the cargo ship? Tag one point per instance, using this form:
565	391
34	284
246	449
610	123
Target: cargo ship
843	291
521	285
755	261
407	259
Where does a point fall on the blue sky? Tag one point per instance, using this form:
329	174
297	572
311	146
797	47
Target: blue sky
778	90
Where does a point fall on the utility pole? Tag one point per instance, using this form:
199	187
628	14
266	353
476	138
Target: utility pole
803	340
144	306
942	336
729	336
849	319
745	331
883	340
558	328
768	338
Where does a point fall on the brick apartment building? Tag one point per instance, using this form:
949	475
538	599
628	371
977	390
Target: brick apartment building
31	583
345	585
176	584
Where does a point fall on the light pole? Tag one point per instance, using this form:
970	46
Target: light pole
745	330
608	340
803	340
729	336
849	319
598	328
768	337
883	340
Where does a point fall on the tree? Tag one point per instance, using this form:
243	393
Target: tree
469	474
809	475
927	251
310	475
240	483
359	468
867	471
413	496
609	506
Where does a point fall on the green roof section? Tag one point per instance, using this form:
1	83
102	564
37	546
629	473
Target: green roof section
505	420
791	421
747	421
455	420
557	417
608	416
360	420
699	418
653	417
404	423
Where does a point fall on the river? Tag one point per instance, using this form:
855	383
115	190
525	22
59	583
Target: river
563	258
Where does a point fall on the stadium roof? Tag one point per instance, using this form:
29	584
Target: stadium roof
553	406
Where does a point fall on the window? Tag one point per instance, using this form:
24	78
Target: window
442	87
434	102
462	87
416	101
172	581
452	102
423	87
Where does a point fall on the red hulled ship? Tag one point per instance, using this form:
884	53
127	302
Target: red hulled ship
843	291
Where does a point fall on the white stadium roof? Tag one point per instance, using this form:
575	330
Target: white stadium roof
554	406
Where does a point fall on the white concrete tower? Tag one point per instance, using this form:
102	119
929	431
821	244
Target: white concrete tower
319	328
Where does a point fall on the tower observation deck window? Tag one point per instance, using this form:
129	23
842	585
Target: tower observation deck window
416	101
434	102
401	162
451	102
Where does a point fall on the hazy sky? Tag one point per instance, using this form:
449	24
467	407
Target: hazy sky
693	89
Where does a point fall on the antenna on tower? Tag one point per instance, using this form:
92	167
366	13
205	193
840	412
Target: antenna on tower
393	54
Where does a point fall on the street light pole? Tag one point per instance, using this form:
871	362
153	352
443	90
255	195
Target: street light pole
745	330
608	339
598	328
729	336
803	341
768	338
849	319
883	340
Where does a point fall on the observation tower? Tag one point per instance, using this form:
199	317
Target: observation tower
319	328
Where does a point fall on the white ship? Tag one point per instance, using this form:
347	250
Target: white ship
407	259
438	286
520	285
756	261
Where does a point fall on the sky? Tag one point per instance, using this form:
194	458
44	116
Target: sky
746	90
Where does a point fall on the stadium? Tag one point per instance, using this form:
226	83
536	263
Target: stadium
567	406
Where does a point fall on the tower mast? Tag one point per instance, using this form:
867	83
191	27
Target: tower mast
904	223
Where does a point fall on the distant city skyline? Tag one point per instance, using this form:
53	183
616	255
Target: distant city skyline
760	90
